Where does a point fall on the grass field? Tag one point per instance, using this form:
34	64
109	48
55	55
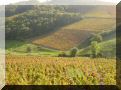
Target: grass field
20	48
33	70
107	48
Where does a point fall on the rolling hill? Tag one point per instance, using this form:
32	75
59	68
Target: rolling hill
72	35
37	21
63	39
77	2
94	21
107	49
62	27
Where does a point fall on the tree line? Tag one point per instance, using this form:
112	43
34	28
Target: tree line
38	21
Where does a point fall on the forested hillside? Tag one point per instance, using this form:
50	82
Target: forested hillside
30	21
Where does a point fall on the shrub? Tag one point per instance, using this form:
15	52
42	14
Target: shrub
73	52
95	49
39	48
62	54
97	37
28	49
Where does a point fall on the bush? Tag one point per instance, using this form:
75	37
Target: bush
39	48
95	49
28	49
97	37
73	52
62	54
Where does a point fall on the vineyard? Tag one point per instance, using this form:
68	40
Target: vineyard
94	24
76	33
60	45
105	11
35	70
63	39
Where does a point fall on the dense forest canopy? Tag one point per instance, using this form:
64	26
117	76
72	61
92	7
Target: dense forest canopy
28	21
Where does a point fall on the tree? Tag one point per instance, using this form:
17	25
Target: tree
28	49
95	49
62	54
97	37
73	52
28	23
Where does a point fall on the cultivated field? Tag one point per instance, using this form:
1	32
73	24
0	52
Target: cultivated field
63	39
94	24
76	33
35	70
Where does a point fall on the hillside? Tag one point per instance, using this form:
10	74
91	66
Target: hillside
77	2
76	33
28	23
107	46
12	10
26	48
59	27
93	21
63	39
107	49
60	45
103	11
